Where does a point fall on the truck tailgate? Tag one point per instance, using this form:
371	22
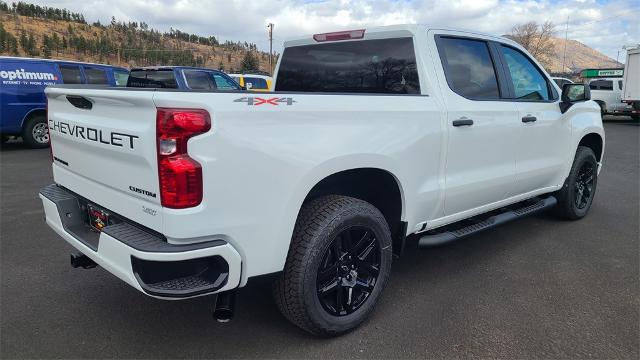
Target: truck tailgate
104	148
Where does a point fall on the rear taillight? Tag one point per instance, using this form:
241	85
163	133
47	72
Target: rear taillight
180	176
340	35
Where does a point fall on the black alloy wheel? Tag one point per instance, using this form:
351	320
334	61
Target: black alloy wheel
348	271
584	185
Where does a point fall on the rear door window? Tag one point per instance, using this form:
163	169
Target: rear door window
199	80
152	78
384	66
620	84
468	67
95	76
71	74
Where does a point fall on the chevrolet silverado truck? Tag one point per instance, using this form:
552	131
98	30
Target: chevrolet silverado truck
373	139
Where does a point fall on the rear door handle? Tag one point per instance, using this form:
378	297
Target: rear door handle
463	122
528	119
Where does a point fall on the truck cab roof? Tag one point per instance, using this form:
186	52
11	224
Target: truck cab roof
379	32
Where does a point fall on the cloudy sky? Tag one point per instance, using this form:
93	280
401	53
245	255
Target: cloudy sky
605	25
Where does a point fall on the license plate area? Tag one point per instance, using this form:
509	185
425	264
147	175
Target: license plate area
98	218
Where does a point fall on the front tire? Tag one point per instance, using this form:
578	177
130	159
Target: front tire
338	264
35	133
576	196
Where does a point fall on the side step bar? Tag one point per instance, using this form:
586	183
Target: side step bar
529	208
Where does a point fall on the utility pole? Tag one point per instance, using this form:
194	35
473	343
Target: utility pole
564	53
270	26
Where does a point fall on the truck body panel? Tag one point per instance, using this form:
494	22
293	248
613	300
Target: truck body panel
266	152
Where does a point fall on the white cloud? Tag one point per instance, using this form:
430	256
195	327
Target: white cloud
605	26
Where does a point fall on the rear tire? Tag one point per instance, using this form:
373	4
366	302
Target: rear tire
338	264
577	193
35	133
4	139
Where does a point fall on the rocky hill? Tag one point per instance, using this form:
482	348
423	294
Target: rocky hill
35	31
579	56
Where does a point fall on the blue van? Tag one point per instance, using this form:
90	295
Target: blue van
22	100
181	77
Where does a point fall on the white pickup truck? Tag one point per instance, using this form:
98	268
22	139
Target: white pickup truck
371	136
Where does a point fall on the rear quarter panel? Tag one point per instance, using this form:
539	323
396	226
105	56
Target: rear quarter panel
260	161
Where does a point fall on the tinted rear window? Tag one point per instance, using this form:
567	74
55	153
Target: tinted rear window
152	79
469	68
71	74
95	76
385	66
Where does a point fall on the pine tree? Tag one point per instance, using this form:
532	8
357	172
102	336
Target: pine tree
249	62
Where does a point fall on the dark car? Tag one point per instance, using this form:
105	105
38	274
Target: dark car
181	77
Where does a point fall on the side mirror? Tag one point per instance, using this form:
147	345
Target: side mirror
573	93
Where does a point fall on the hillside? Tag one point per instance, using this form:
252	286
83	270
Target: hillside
36	31
60	34
579	56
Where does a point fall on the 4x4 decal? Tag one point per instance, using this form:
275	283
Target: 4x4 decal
255	101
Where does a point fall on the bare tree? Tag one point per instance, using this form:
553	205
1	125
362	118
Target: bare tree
536	38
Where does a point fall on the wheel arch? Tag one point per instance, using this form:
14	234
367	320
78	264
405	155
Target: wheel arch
595	142
31	114
377	186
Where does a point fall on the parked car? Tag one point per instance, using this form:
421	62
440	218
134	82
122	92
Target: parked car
181	77
254	82
561	81
631	83
607	92
22	99
367	139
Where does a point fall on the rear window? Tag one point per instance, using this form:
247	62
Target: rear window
386	66
95	76
71	74
601	85
255	83
163	78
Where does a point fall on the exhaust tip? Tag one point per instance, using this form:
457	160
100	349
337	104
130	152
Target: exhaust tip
225	305
223	315
81	260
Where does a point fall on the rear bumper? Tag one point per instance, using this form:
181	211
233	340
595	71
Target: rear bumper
141	258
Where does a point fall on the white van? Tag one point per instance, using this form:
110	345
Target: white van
607	92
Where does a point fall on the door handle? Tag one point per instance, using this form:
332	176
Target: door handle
463	122
528	119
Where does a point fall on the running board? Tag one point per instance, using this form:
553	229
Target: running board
493	221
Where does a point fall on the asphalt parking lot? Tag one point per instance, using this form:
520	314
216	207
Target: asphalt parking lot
535	288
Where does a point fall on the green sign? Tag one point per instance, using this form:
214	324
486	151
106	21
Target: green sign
592	73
